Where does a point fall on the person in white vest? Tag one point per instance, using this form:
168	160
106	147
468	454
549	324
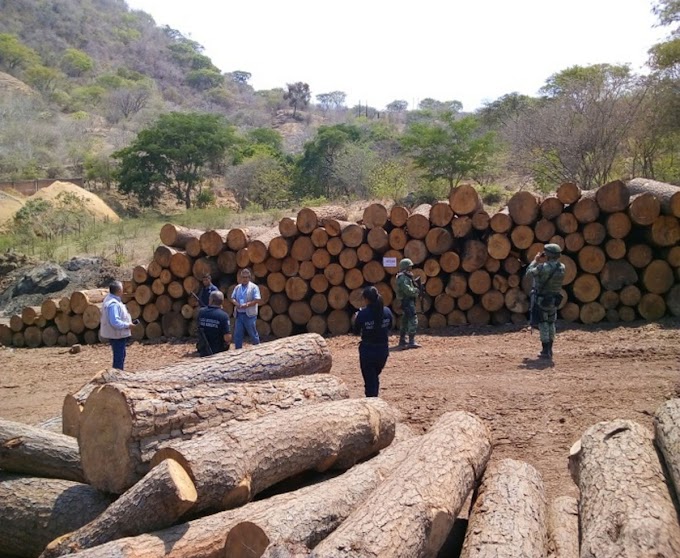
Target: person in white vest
245	298
116	323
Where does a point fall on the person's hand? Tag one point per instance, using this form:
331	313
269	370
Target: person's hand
538	256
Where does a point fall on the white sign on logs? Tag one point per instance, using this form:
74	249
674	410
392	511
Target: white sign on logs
389	262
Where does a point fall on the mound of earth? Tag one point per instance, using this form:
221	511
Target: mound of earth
95	205
9	205
9	84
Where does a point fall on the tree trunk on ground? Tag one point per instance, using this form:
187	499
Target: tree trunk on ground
412	512
123	425
613	196
623	491
36	451
303	355
441	214
155	502
464	200
667	194
563	528
508	517
177	236
418	223
230	465
237	239
667	429
36	511
81	299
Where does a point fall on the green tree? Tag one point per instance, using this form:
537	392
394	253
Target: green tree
397	106
262	179
298	95
240	77
173	155
448	148
204	79
44	79
14	54
75	62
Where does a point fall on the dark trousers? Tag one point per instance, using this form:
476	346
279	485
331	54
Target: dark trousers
119	351
372	359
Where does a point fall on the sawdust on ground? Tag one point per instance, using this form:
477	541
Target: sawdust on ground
9	205
95	205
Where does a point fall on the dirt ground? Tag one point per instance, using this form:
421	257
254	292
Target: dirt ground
535	413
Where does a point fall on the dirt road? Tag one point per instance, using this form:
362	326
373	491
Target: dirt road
535	413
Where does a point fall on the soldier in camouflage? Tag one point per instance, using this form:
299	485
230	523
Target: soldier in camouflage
407	293
548	274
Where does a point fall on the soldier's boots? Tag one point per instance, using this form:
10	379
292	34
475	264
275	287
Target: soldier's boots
402	341
545	352
412	342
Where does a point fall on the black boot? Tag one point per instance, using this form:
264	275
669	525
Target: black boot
402	341
545	352
550	351
412	342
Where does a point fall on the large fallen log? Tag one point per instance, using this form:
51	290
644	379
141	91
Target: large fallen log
623	491
667	430
307	515
667	194
39	452
299	356
508	517
155	502
35	511
563	528
123	425
230	465
412	512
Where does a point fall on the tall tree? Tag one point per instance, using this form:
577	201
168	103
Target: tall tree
448	148
172	156
298	95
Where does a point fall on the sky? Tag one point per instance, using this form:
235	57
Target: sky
376	51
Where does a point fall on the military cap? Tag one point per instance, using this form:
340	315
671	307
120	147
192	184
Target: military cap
405	264
553	249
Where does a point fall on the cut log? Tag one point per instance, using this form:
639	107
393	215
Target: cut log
672	301
237	239
586	210
592	313
461	226
398	215
551	207
658	277
177	236
280	246
568	193
412	512
544	230
667	194
594	233
509	514
124	421
479	281
161	256
615	248
591	259
282	326
50	336
230	465
651	307
258	248
477	315
373	272
617	274
29	314
35	511
192	248
573	242
566	223
464	200
449	262
290	266
644	209
665	230
375	215
609	299
438	240
630	295
352	235
213	241
613	196
640	255
474	255
563	531
38	452
480	221
348	258
301	250
501	222
276	282
81	299
418	223
570	312
416	251
441	214
288	227
666	428
297	288
627	313
516	300
522	237
398	239
618	225
523	208
338	322
623	491
155	502
319	237
33	336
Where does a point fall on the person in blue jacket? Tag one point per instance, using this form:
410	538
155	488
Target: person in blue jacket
373	322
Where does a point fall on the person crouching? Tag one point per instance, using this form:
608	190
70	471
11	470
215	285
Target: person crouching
214	328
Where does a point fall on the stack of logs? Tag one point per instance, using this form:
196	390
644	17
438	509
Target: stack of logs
167	463
620	249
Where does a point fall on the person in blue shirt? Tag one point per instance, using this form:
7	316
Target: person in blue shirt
206	290
116	323
214	327
245	298
373	322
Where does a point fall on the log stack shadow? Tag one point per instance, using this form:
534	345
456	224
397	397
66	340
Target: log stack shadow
620	248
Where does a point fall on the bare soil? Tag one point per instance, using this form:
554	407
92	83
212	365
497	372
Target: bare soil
534	412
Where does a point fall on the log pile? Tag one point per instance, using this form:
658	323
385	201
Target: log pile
620	248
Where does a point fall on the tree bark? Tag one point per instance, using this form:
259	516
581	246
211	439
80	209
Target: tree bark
667	194
667	430
35	511
123	425
81	299
155	502
177	236
563	528
625	507
412	512
231	465
36	451
509	514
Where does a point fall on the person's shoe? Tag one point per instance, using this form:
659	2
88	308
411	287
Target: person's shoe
412	343
545	352
550	351
402	342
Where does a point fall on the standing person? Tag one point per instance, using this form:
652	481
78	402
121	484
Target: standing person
548	274
373	322
245	298
116	323
214	328
206	290
407	292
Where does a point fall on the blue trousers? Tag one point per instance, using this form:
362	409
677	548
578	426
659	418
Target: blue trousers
372	359
245	324
119	352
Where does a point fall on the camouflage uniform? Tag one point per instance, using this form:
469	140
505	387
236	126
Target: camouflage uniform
548	279
407	292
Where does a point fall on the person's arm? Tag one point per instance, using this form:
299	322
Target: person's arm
117	318
408	286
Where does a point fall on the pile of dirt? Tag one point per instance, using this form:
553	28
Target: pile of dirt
9	84
95	205
9	205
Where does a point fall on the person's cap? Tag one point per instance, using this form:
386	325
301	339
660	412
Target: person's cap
552	249
405	264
